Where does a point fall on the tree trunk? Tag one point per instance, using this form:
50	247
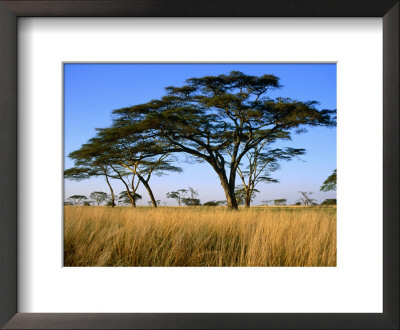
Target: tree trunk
247	200
112	192
132	198
228	186
147	186
229	190
128	192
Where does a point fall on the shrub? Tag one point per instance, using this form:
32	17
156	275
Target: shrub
331	201
211	203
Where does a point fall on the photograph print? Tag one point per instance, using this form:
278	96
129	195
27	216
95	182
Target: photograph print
200	165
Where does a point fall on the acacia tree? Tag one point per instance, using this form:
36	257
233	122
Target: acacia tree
178	195
219	119
145	168
86	169
330	183
108	150
305	198
125	198
91	160
136	154
98	196
128	179
191	198
77	199
95	158
260	163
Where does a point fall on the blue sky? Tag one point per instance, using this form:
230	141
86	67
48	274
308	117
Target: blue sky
92	91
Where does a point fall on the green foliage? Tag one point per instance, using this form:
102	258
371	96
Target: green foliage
78	173
77	199
331	201
280	201
214	203
330	183
240	194
178	195
190	198
98	196
185	196
191	201
123	197
211	203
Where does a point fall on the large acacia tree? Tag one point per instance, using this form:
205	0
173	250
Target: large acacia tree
219	119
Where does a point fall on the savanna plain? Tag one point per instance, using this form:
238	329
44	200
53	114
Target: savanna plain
268	236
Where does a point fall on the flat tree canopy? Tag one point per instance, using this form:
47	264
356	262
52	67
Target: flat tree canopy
76	199
218	120
99	196
330	183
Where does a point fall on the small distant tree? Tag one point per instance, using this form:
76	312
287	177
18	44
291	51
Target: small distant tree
158	201
87	203
297	203
192	199
149	203
77	199
98	196
305	198
214	203
178	195
280	201
210	203
267	202
330	183
331	201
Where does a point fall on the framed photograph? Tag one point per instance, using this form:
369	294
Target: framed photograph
221	164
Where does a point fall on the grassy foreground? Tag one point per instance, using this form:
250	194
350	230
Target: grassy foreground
214	236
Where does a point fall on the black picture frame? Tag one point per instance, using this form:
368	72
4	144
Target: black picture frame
9	13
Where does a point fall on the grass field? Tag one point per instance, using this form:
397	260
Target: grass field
214	236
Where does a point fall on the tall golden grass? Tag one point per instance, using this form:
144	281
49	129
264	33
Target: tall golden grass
214	236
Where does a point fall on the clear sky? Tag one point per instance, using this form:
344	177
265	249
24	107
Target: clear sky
92	91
